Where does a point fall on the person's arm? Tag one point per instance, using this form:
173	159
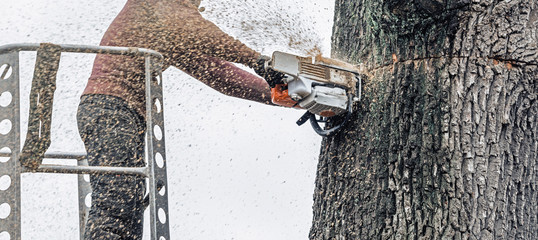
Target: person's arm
202	50
188	33
226	78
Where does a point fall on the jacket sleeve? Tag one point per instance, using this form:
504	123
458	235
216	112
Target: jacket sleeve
227	78
189	34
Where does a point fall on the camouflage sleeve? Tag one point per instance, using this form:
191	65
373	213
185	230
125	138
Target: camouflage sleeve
189	34
227	78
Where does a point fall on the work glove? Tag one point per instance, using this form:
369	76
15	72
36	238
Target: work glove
271	76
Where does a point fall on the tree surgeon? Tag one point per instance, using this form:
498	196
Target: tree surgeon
444	144
111	111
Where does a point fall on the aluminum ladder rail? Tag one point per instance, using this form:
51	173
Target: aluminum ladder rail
10	149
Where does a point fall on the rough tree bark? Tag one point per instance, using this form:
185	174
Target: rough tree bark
444	143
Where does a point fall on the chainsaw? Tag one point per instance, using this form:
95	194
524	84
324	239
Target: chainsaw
324	87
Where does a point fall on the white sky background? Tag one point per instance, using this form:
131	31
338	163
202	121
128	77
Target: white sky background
236	169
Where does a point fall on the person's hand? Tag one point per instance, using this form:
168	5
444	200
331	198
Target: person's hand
271	76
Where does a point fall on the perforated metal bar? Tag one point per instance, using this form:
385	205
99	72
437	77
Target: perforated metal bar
10	170
84	191
159	222
41	97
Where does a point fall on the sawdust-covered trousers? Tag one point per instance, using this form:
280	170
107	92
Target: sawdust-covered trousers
113	135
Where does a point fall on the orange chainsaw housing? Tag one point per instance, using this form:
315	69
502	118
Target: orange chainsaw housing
279	96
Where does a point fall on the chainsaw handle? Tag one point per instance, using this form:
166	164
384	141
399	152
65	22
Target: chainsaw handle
329	132
307	115
326	132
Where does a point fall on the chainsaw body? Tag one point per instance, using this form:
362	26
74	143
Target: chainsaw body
324	87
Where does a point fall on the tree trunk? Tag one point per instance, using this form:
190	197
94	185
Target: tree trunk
444	143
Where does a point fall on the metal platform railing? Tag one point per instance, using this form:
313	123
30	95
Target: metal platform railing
38	136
